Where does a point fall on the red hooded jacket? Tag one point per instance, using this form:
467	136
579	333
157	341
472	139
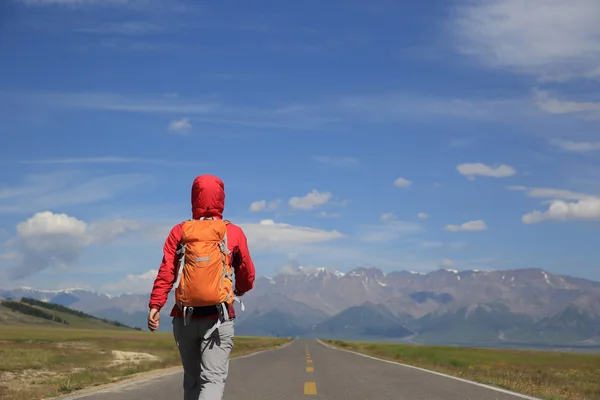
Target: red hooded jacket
208	200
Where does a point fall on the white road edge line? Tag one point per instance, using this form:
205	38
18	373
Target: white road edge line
523	396
158	375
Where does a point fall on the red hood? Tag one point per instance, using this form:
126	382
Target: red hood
208	197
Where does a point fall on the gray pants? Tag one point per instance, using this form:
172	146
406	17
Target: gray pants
205	361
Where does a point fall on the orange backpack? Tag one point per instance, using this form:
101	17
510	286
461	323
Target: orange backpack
205	274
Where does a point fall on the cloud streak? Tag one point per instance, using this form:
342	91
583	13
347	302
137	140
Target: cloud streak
126	28
389	231
563	205
477	225
53	190
106	160
470	171
552	105
576	147
73	3
551	193
376	109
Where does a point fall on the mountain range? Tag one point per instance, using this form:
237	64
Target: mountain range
522	307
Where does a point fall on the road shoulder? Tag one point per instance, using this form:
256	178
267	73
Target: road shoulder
497	389
144	377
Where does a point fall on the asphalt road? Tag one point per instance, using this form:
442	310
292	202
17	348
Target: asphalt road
308	369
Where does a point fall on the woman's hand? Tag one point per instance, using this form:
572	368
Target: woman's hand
153	319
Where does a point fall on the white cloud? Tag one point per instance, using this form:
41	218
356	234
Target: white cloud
402	182
477	225
258	205
387	216
263	205
471	170
180	126
312	200
132	283
423	215
560	210
576	147
338	161
268	234
540	37
47	239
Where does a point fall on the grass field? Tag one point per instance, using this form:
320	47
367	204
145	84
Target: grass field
546	375
40	362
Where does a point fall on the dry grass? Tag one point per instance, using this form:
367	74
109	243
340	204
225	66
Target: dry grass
41	362
546	375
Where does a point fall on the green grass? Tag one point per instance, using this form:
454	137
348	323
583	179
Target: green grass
9	317
547	375
40	362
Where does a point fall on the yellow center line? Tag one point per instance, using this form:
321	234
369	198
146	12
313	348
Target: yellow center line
310	388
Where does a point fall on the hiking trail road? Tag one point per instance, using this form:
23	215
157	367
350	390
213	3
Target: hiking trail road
308	369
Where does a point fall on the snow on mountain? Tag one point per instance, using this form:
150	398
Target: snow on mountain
304	291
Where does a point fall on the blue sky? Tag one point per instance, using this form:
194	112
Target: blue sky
452	134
